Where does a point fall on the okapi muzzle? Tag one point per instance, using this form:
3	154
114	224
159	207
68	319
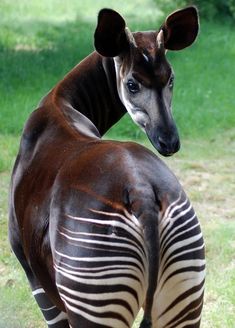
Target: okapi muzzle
144	77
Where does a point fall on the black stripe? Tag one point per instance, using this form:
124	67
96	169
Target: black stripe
97	228
84	270
113	268
183	296
162	232
193	255
186	269
76	319
101	250
95	289
44	303
107	276
99	303
92	264
188	225
196	244
107	238
188	234
107	314
191	312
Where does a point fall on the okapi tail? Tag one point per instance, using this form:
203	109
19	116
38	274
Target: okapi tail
150	222
151	235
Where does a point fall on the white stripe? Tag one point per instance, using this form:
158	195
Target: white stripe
176	235
48	309
109	322
130	220
134	284
169	284
146	57
170	219
177	207
59	317
101	259
181	213
189	322
38	291
113	223
99	268
107	236
127	225
105	243
129	298
133	218
178	245
171	231
116	308
119	272
166	213
100	296
171	313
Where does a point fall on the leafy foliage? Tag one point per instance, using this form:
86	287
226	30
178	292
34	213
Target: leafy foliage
210	9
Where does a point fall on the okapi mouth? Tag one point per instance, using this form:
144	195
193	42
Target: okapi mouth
166	145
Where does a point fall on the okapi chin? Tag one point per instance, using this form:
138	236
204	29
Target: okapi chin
103	228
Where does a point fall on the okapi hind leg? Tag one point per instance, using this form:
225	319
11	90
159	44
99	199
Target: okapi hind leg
54	317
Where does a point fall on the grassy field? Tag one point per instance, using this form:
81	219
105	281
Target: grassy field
39	42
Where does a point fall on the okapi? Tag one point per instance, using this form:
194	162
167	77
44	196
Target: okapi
103	228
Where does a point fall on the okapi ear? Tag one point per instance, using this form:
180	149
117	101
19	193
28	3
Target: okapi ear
110	35
181	28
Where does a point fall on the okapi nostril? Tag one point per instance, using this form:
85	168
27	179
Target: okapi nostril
168	146
162	143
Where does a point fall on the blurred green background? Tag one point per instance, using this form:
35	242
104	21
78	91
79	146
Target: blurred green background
40	41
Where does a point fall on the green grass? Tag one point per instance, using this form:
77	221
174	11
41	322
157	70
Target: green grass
40	41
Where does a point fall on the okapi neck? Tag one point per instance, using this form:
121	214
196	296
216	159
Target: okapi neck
90	88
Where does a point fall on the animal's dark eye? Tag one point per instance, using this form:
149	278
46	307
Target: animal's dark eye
132	86
171	81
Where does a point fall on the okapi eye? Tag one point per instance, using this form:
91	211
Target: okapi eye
171	81
133	87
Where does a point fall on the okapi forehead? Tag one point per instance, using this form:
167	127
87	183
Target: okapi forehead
146	42
150	65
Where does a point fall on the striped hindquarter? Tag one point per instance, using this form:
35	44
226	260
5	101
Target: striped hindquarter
104	285
179	296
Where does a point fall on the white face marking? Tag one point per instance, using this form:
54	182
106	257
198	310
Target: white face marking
146	58
135	104
137	114
143	105
160	40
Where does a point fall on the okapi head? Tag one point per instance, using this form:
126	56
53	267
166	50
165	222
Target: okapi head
144	76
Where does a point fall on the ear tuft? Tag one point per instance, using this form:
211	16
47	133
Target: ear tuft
110	37
181	28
